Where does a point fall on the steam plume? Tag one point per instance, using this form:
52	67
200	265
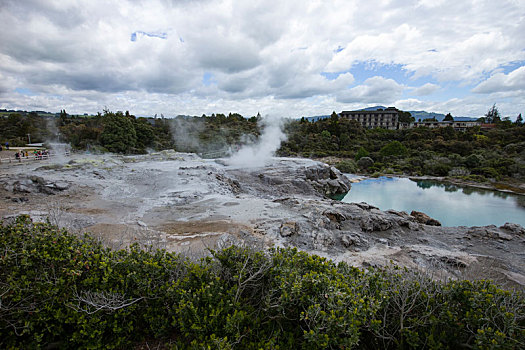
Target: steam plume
258	154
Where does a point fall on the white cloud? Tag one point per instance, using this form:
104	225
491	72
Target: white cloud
499	82
269	54
425	90
373	90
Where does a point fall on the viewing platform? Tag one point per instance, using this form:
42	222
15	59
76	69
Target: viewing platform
9	156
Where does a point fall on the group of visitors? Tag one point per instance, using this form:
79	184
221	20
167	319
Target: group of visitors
38	154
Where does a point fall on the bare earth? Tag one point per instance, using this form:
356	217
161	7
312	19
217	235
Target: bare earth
186	204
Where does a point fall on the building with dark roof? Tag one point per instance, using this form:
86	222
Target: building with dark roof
387	118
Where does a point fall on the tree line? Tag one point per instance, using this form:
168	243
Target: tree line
122	132
475	154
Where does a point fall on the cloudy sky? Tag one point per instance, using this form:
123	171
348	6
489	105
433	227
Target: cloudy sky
288	57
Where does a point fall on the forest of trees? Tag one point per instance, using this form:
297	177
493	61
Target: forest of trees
475	154
58	290
124	133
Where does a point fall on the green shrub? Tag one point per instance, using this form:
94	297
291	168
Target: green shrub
365	162
473	161
62	291
487	172
347	166
361	152
394	148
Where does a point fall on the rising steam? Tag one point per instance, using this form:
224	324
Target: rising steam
59	149
258	154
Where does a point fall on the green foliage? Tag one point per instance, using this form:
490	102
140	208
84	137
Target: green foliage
347	166
62	291
365	162
394	148
448	118
406	117
145	134
492	115
361	152
15	129
417	151
119	135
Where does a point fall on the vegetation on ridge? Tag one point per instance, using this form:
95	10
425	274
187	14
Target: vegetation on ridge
496	154
474	154
61	291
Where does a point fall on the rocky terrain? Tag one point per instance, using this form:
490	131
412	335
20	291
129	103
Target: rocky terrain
186	204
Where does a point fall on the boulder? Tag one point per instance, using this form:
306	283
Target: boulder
61	186
513	229
489	232
372	223
334	216
424	218
327	180
353	240
288	229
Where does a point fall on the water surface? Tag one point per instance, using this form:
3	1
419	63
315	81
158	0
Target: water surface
450	204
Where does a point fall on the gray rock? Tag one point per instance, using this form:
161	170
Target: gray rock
61	186
489	232
365	206
353	240
453	261
21	188
334	216
373	223
288	229
513	229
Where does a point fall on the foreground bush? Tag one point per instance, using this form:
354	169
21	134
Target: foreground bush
61	291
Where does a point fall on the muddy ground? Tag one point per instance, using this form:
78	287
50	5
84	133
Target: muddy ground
186	204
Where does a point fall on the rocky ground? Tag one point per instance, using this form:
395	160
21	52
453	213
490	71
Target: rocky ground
187	204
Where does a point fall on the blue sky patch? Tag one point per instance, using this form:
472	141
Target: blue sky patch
367	69
25	91
160	35
512	66
208	79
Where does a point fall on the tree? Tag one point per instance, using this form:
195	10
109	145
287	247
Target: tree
492	115
473	161
448	118
394	148
361	152
365	162
119	135
519	120
145	134
406	117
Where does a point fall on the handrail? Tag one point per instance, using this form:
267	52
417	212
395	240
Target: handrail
31	156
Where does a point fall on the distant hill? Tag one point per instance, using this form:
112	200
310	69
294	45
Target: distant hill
375	108
425	115
317	117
